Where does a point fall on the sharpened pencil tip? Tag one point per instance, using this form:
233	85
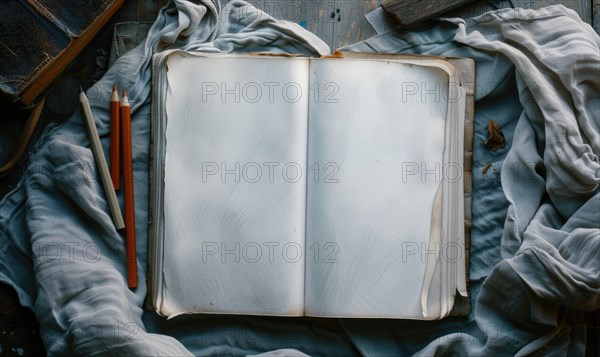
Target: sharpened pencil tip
114	87
81	90
124	99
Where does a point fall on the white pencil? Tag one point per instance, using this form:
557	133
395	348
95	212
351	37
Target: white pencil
101	164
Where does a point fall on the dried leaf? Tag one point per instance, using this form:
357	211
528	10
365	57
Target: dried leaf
495	138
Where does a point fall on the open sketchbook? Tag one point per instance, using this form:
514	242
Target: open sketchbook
290	186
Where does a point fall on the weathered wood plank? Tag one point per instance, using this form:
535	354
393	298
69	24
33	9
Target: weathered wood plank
349	22
62	99
140	10
411	12
310	14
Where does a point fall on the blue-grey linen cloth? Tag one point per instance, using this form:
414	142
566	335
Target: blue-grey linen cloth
535	245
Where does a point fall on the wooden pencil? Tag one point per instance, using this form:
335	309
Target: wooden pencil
102	167
126	151
115	138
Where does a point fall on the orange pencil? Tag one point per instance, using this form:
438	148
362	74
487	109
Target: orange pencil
115	150
130	246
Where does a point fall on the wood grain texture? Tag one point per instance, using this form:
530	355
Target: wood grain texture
142	10
310	14
349	22
62	101
336	22
411	12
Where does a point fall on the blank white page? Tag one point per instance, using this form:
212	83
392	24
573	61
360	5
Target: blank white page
234	211
373	129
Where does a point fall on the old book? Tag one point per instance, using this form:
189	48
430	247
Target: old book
326	187
39	38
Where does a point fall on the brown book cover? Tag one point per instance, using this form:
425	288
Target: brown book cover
39	38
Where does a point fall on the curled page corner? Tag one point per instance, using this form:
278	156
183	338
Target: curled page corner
175	314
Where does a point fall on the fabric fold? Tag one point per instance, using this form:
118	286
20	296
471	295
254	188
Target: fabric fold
535	234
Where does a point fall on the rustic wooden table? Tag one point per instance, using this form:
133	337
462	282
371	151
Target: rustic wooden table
337	22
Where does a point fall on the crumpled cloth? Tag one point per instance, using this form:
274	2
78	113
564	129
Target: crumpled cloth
535	244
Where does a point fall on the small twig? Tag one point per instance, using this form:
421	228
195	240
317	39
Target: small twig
486	167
